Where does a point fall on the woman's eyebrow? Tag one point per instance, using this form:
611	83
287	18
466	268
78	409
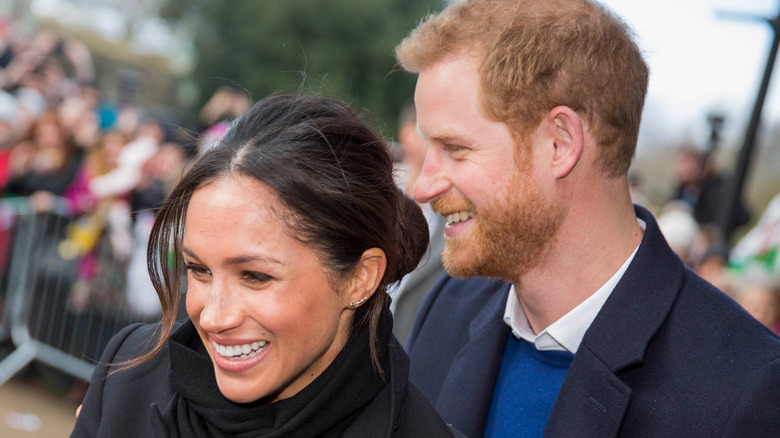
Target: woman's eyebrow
251	258
236	260
189	253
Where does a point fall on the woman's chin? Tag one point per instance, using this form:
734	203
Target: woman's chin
240	392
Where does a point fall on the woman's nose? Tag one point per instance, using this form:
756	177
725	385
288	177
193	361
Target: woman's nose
221	311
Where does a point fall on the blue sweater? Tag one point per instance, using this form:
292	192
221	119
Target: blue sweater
526	389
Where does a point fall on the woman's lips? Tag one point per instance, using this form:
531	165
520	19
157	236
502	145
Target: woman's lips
233	358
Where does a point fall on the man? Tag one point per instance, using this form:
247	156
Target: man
701	186
530	110
409	294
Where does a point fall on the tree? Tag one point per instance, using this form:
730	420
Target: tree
335	47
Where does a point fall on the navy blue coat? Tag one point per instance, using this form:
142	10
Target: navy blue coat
667	355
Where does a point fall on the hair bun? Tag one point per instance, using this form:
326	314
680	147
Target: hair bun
413	235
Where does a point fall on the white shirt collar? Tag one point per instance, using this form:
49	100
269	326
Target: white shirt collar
566	333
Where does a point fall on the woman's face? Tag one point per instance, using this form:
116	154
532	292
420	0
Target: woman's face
49	135
113	143
259	298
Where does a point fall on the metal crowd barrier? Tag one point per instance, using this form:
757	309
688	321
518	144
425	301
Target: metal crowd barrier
47	315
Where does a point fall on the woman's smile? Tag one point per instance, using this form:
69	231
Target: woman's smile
239	357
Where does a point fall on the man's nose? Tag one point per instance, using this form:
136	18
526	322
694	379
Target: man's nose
432	181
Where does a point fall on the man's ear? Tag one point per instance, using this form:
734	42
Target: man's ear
366	277
566	131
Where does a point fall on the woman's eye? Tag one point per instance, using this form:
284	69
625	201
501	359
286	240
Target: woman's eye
255	277
197	271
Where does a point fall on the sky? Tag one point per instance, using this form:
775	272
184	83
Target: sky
701	63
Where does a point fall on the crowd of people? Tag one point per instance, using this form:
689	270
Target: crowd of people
103	164
748	271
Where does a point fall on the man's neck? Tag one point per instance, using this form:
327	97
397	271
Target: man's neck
589	249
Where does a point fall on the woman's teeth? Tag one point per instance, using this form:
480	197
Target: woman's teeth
460	216
243	351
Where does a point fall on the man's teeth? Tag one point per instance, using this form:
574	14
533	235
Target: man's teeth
243	351
459	216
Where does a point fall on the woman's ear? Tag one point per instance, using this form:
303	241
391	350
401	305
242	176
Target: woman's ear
568	140
366	278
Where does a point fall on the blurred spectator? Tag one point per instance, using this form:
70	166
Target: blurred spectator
129	170
223	106
5	42
713	267
98	217
79	116
43	59
413	288
701	248
78	57
412	146
703	188
100	160
679	228
9	110
43	166
159	175
761	298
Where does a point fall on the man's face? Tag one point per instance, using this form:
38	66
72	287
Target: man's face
688	170
500	219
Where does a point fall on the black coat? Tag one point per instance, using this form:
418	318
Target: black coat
125	403
668	355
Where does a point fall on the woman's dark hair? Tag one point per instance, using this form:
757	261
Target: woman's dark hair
334	177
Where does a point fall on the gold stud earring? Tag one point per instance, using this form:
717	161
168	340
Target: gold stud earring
356	304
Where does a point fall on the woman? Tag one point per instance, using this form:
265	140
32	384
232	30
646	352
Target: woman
44	166
290	231
97	237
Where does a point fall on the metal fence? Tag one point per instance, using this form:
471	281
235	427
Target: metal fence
49	312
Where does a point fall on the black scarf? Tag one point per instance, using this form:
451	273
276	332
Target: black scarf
325	408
